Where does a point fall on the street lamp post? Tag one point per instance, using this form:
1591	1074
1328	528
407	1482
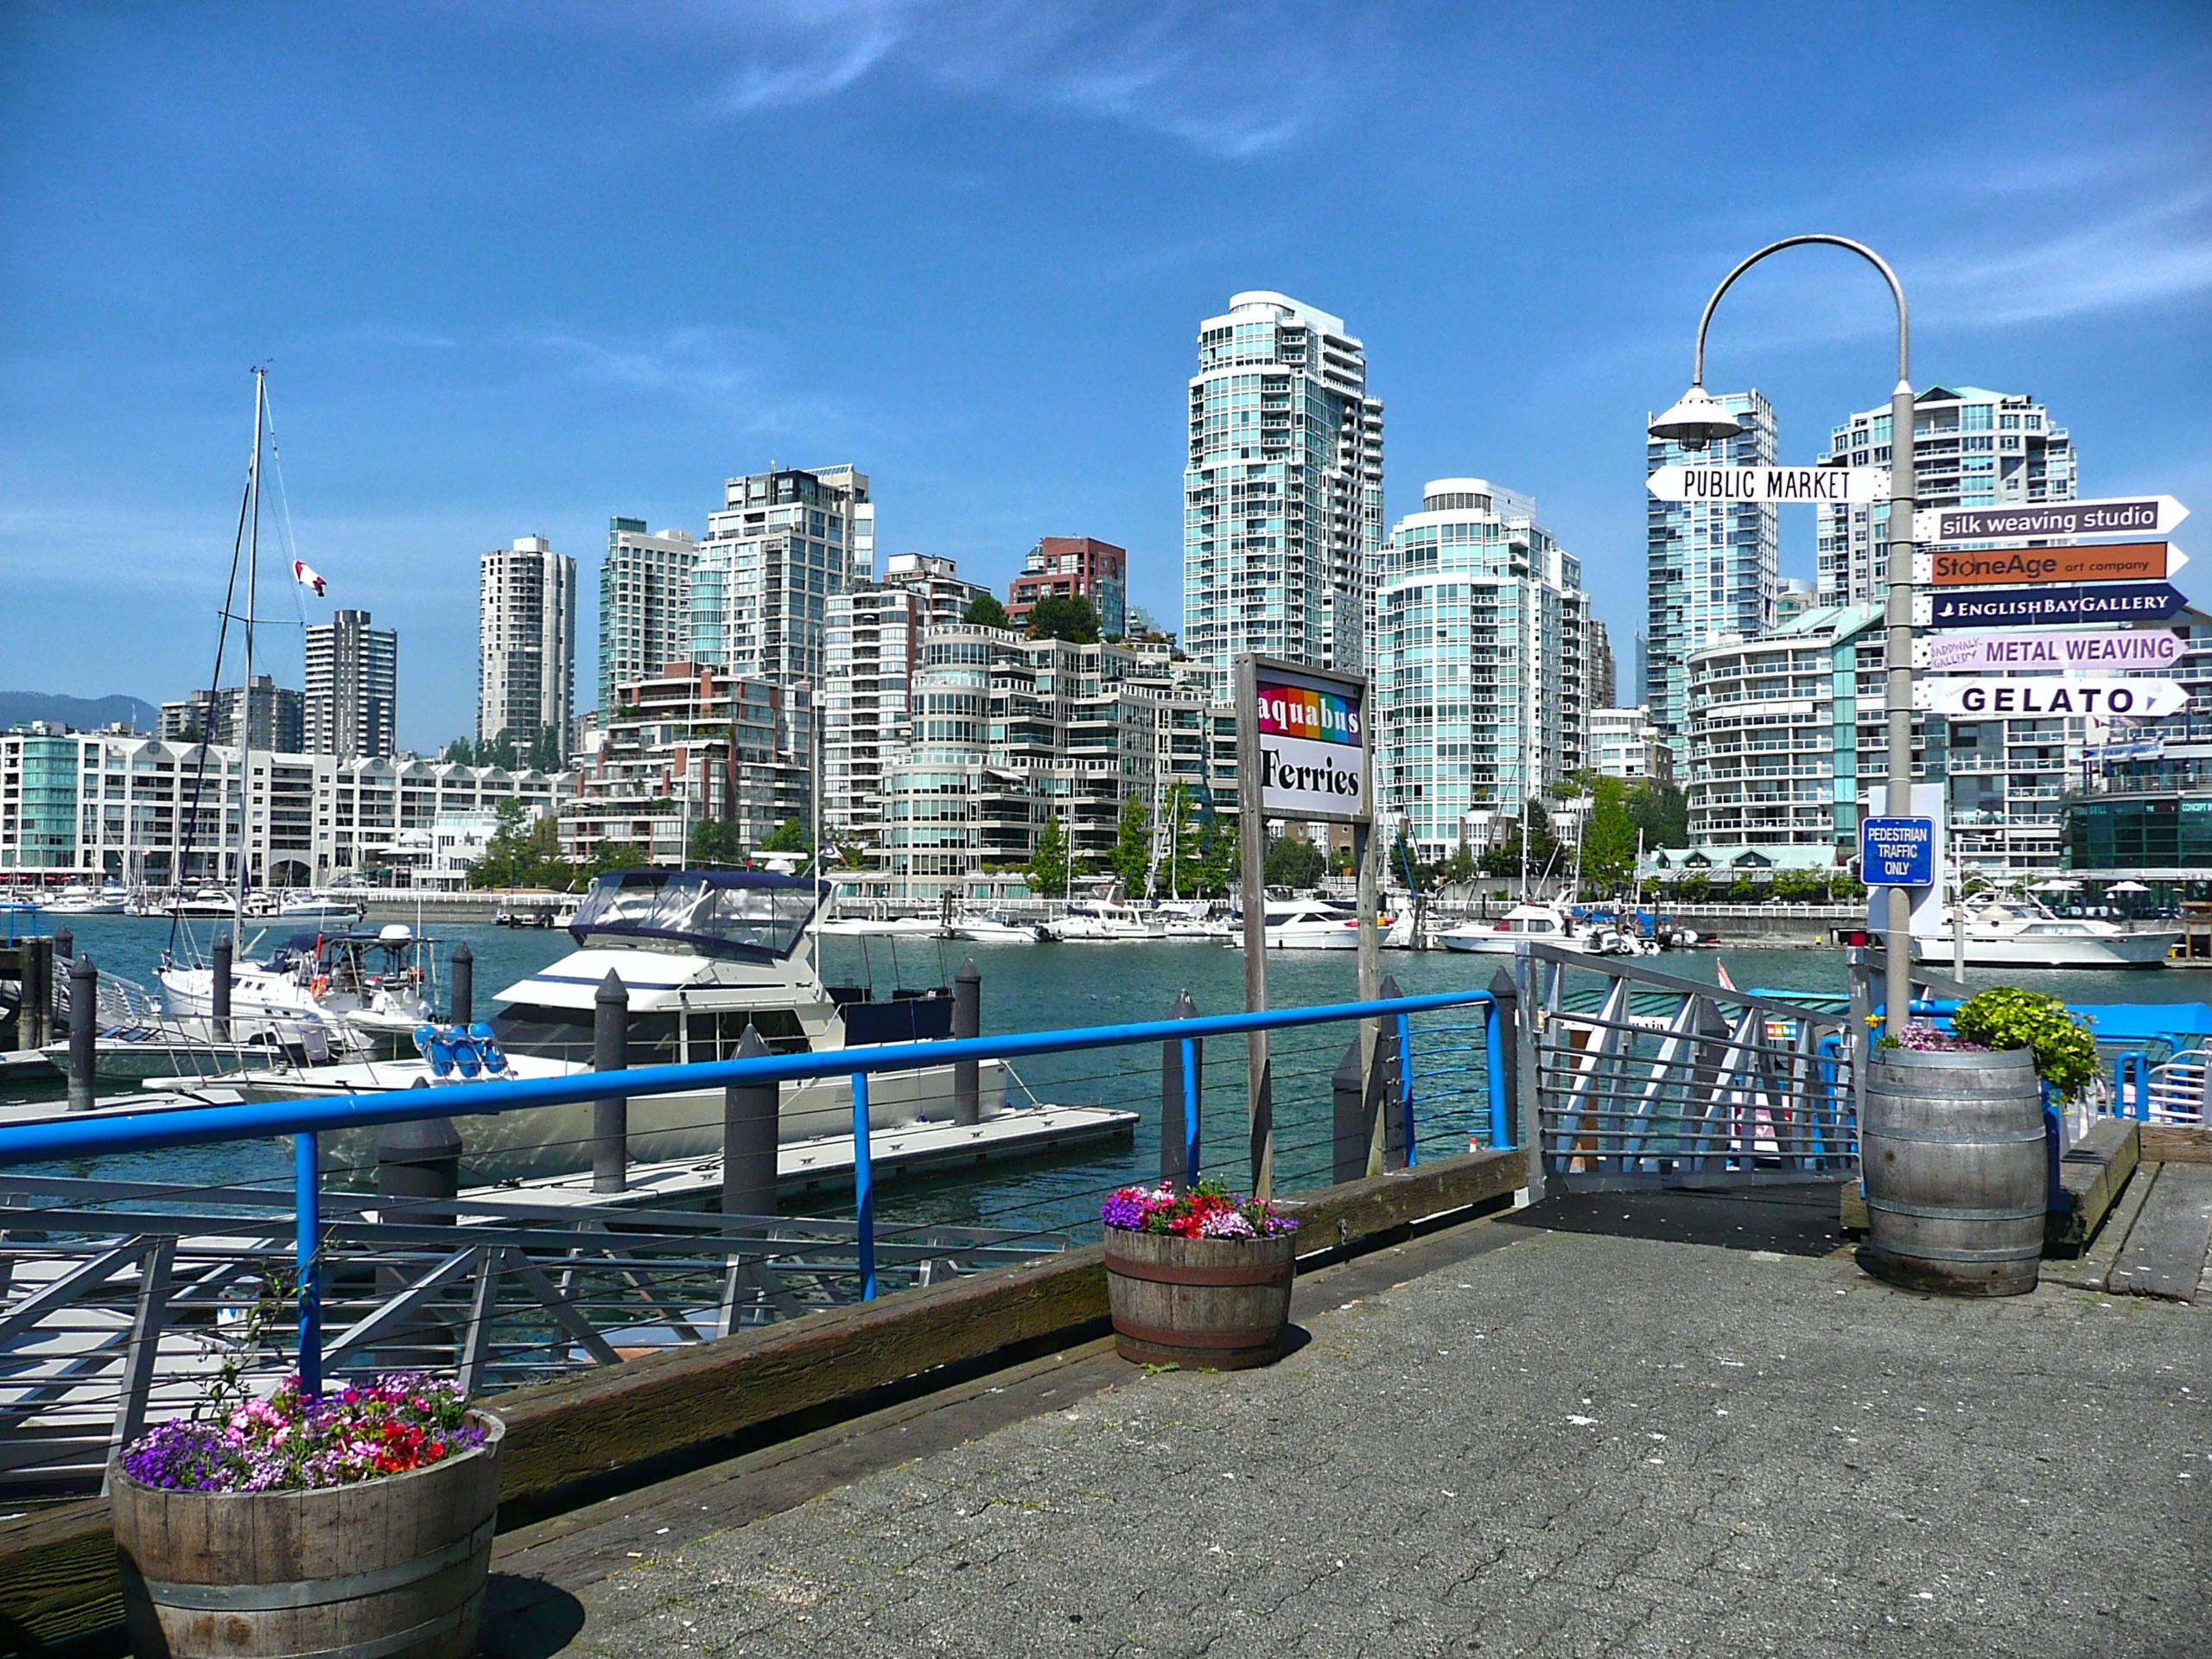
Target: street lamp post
1698	418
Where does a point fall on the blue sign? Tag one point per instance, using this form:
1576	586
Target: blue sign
1897	852
2096	601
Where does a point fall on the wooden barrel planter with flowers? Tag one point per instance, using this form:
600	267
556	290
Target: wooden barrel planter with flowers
388	1567
1213	1299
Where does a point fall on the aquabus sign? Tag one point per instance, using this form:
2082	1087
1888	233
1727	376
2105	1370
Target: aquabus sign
1306	741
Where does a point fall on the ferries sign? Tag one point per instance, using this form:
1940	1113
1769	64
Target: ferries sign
2074	653
1946	567
1309	732
1732	485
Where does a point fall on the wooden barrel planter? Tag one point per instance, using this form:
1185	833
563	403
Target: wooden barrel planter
1210	1304
1953	1154
389	1568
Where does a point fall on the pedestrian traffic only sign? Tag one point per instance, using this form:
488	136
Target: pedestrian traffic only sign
1897	852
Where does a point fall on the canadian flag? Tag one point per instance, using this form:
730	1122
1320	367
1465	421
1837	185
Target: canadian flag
304	575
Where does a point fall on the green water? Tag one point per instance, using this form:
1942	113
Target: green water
1039	987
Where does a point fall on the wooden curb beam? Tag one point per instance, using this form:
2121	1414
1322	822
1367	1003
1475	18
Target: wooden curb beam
58	1585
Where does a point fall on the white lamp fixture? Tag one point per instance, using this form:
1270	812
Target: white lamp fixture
1696	421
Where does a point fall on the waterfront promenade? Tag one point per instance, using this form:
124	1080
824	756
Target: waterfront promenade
1571	1431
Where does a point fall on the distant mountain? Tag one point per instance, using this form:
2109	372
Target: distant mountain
86	714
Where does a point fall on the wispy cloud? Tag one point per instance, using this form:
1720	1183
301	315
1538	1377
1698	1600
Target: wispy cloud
1224	78
729	367
2140	257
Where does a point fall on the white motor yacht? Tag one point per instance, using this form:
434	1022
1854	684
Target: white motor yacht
987	930
2023	933
1098	921
82	898
346	992
1195	921
1523	923
302	906
702	955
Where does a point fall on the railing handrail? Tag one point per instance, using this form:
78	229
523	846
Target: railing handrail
110	1131
1658	982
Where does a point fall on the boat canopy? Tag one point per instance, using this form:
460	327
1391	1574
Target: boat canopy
754	914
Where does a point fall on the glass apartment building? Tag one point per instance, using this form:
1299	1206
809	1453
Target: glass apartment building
783	544
1715	568
1481	670
644	603
1282	497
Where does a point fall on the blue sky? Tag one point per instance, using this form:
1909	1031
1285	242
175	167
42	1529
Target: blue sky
522	267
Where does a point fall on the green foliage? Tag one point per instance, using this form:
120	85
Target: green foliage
1221	858
1661	811
1608	840
1046	873
615	856
1131	859
544	752
985	611
1293	863
500	752
522	853
462	752
713	842
788	837
2065	1054
1503	858
1060	616
1694	888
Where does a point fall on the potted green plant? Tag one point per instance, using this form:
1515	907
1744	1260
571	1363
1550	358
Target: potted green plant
358	1522
1199	1277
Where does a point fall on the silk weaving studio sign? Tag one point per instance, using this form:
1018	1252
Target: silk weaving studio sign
1313	750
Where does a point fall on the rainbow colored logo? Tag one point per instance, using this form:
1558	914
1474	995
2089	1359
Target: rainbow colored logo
1301	711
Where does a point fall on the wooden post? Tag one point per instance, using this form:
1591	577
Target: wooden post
1174	1141
1387	1147
1252	847
749	1136
1348	1137
967	1021
610	1115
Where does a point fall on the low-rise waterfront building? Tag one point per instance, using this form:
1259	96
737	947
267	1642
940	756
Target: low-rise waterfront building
143	811
1480	671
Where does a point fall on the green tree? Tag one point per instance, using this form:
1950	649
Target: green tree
500	752
1662	812
1608	840
1061	616
615	856
462	752
713	842
1294	863
1221	857
1460	867
1046	873
1503	858
985	611
544	752
1131	859
788	837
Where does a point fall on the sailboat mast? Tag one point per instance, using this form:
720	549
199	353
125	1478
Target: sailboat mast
245	691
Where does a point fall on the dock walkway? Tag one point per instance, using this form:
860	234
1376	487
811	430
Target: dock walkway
1657	1424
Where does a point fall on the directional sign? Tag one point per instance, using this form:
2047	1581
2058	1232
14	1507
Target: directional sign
2140	515
2073	653
1947	566
2050	697
1897	852
1997	607
1730	484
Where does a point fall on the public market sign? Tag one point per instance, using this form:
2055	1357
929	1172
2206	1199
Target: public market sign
1732	485
2140	515
1997	607
2074	653
1897	852
2051	698
1310	734
1946	567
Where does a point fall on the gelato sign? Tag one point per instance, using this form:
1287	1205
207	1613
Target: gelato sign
1312	734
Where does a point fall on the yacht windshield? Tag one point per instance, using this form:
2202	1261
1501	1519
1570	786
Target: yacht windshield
749	914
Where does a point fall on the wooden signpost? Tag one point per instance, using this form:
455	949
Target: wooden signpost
1305	753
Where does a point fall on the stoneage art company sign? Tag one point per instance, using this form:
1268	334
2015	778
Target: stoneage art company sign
1313	750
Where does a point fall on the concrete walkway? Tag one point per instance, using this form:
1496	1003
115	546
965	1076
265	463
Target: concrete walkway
1550	1442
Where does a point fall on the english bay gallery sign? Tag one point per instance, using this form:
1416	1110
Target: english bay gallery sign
1309	732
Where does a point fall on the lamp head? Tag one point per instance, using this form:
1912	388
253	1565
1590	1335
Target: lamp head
1696	421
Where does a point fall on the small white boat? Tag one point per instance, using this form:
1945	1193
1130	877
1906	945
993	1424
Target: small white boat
1100	922
209	903
303	905
1523	923
1195	922
988	929
82	898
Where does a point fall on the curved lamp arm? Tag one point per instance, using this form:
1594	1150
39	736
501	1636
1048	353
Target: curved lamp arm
1897	292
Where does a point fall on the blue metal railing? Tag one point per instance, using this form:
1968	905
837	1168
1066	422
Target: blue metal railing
111	1132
